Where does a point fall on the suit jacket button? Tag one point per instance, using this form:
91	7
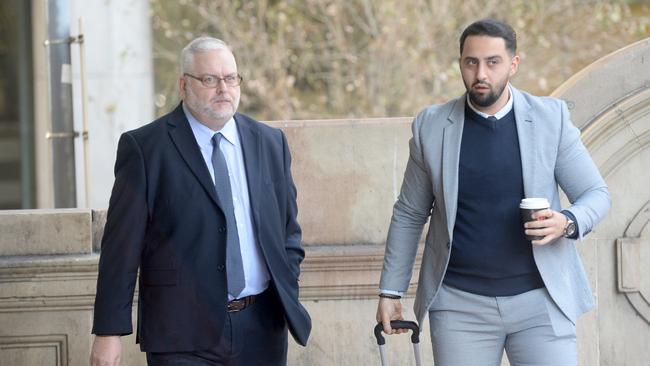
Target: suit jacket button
448	245
220	267
222	229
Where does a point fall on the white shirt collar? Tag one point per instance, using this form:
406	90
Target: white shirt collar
203	133
501	113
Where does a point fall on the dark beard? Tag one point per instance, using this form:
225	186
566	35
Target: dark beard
488	99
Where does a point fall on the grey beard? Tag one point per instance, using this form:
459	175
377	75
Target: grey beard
209	113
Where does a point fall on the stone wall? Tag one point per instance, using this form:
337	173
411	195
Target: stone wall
348	173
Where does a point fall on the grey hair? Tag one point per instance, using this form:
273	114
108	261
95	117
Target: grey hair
200	44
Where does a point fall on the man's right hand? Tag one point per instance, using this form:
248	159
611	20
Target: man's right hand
107	351
387	310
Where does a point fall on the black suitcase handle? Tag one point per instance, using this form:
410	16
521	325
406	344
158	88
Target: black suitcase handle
398	324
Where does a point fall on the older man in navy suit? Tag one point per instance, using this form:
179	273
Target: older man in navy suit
484	286
204	206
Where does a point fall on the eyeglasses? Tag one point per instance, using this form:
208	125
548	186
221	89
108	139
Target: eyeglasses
211	81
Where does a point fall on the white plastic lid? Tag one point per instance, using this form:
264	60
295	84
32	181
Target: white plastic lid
534	203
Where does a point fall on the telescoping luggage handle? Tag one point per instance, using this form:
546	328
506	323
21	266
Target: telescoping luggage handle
399	324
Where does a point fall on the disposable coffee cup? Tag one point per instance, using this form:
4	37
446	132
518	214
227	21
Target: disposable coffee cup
527	207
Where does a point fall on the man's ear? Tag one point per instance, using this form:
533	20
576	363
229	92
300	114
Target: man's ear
514	65
182	84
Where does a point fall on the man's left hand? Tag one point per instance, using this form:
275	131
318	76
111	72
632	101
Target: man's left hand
547	223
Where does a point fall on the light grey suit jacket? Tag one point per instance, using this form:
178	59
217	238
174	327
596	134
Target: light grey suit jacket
552	154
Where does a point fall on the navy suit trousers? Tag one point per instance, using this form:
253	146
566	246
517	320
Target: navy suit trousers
256	335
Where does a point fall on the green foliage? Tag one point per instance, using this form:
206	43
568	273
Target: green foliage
306	59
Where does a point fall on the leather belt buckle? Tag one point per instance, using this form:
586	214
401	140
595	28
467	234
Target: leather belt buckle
236	305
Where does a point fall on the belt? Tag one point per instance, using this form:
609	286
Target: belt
240	304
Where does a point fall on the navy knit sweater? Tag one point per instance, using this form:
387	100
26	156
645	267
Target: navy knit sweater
490	255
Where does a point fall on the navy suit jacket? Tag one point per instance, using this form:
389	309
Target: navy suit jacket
164	219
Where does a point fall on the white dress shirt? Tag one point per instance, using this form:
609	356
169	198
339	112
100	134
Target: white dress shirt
255	271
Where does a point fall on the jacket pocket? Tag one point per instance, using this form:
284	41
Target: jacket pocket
159	277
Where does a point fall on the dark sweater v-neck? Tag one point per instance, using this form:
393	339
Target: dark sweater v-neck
490	255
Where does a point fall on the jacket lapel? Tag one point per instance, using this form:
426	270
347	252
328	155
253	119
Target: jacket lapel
182	136
451	140
527	143
251	148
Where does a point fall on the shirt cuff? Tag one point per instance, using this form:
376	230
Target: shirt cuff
391	292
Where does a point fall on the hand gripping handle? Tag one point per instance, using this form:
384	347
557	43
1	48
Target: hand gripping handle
398	324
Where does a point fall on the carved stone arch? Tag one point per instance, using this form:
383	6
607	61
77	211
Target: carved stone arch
610	102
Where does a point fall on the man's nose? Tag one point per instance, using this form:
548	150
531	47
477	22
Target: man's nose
221	85
481	72
221	88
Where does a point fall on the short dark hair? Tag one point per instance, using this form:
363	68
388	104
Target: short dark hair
491	28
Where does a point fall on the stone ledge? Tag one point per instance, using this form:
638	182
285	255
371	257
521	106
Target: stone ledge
339	272
47	283
36	283
45	232
11	265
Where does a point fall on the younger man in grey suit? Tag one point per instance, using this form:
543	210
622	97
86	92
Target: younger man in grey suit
485	287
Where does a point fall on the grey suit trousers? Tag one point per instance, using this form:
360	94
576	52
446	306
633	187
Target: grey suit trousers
474	330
